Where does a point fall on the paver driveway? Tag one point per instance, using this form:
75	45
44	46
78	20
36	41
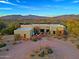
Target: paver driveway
62	50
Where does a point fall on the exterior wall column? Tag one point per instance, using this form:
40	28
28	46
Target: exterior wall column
44	30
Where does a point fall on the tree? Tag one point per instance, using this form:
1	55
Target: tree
2	25
10	29
1	40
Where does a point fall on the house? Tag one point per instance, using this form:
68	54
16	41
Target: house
26	31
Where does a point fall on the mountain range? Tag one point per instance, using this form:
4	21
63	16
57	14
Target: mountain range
15	17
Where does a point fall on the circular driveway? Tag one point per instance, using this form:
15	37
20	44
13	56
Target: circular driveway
62	50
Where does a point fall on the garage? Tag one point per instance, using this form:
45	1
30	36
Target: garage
25	33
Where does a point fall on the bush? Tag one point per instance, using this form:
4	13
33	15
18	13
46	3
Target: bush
2	45
32	55
50	51
17	37
78	46
34	40
42	54
45	51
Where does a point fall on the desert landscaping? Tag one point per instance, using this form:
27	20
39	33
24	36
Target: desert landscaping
59	49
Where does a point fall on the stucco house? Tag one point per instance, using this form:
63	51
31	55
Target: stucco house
26	31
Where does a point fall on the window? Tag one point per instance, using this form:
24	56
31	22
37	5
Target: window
42	30
54	32
47	30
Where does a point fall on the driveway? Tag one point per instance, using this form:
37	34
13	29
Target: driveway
62	50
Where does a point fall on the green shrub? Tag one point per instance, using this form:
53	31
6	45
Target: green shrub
34	40
42	54
50	51
17	37
2	45
32	55
78	46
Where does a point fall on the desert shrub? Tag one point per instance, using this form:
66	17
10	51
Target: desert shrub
45	51
2	25
17	37
50	51
2	45
1	40
32	55
42	54
34	39
10	29
77	46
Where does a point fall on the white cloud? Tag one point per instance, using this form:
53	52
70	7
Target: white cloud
75	2
6	2
18	6
5	8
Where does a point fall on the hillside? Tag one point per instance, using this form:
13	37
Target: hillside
34	17
15	17
65	17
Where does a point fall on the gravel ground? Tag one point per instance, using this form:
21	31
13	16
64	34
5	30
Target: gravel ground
62	50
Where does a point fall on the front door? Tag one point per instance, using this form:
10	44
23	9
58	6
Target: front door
24	35
54	32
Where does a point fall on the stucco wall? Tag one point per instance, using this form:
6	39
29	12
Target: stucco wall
51	27
22	32
26	26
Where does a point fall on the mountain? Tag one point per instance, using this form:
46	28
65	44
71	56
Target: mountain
33	17
15	17
12	17
65	17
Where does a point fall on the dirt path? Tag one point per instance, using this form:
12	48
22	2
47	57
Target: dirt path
62	50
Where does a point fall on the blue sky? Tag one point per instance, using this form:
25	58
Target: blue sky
39	7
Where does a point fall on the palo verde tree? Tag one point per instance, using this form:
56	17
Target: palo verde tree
10	29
